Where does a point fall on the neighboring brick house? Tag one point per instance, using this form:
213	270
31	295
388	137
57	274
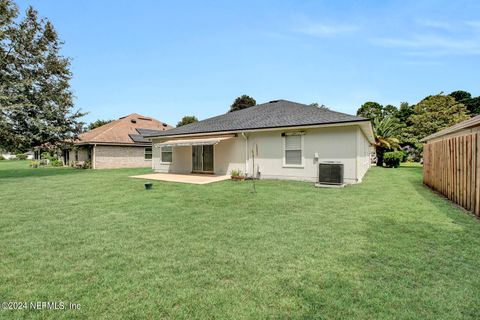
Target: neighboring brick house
117	144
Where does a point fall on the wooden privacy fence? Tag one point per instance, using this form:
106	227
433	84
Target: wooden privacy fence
452	167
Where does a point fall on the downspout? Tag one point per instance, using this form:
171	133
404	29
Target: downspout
357	138
93	157
246	153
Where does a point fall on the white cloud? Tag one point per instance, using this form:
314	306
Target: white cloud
464	41
325	30
435	24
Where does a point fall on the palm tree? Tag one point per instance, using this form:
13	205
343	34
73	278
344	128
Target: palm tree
386	131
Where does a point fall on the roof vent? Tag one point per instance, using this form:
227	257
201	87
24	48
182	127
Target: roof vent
273	101
133	120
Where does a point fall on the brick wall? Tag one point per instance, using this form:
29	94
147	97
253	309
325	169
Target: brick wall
108	157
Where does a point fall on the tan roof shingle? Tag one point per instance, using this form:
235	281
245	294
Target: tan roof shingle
119	131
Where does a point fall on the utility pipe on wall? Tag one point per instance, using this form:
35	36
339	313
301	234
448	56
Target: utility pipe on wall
246	153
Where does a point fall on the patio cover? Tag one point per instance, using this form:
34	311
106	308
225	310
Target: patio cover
192	142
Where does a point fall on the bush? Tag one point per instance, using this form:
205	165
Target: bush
34	164
2	157
55	163
47	156
393	159
235	173
21	156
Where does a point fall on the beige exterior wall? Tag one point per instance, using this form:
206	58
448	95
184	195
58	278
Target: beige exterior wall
364	149
346	144
82	155
108	157
331	144
228	155
181	160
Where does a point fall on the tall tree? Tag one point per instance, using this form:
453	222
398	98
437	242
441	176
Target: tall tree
98	123
389	111
460	95
242	102
471	103
370	110
8	12
187	120
435	113
404	112
386	131
36	99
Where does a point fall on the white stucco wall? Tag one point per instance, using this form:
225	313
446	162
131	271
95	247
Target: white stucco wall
331	144
363	154
346	144
228	155
181	160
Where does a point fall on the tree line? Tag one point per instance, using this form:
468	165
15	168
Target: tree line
404	127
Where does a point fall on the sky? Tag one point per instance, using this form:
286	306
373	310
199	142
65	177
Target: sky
167	59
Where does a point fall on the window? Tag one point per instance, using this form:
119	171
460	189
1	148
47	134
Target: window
148	153
293	150
167	154
76	155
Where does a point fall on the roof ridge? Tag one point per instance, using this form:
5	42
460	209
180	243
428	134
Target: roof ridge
116	122
273	114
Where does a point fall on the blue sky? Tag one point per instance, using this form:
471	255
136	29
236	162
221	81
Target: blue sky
170	59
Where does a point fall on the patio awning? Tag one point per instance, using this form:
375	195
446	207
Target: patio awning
192	142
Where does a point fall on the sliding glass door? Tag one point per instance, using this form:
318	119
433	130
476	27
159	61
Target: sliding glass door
202	158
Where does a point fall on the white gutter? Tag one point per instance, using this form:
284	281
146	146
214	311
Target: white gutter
246	153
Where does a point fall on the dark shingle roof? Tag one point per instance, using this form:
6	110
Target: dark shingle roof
138	138
274	114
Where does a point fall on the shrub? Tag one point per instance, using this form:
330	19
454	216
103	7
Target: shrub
393	159
87	165
235	173
55	163
2	157
46	155
34	164
21	156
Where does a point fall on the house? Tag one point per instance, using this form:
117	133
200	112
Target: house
275	140
117	144
12	156
451	163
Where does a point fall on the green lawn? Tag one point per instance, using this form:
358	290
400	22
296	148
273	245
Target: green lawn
386	249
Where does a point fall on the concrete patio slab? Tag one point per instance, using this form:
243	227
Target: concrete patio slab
183	178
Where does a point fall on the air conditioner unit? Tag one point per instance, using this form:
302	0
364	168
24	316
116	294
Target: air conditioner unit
330	173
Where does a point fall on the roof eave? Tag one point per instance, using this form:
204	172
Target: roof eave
107	143
304	126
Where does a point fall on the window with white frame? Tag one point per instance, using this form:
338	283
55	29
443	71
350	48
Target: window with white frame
166	154
148	153
293	150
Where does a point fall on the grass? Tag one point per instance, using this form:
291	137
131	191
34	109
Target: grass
388	248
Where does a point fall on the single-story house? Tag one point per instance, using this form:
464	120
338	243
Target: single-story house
117	144
9	155
275	140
